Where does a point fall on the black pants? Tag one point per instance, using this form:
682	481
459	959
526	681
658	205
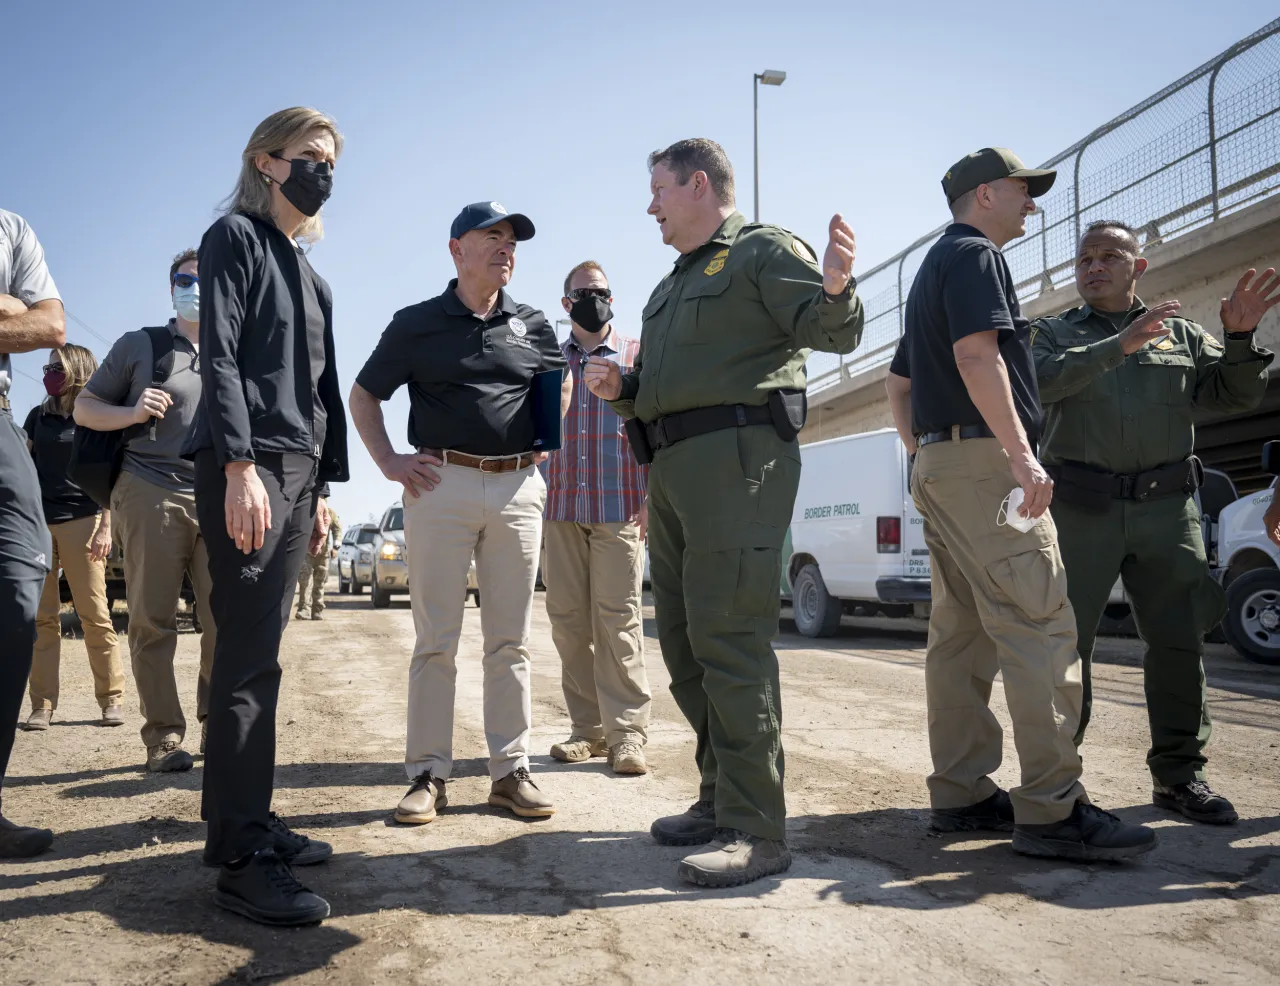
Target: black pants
25	550
250	603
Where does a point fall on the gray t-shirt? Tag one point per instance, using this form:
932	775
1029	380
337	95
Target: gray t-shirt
23	273
121	379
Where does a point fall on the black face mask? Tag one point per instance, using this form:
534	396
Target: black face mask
591	313
309	184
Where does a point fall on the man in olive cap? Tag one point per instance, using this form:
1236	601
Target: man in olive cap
962	387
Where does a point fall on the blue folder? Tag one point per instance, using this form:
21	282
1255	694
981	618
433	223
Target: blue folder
544	399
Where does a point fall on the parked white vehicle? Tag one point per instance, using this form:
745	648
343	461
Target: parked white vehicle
390	563
856	539
1249	568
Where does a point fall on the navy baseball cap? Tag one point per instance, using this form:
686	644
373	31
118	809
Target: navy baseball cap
482	215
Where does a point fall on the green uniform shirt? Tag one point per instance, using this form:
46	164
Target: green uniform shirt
1129	413
734	320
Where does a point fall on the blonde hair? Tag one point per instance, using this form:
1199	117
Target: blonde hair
271	136
585	265
78	364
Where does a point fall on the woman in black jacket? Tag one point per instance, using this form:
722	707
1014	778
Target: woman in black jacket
269	435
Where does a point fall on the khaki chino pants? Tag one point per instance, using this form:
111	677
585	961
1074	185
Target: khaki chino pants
497	516
87	580
593	574
999	604
158	531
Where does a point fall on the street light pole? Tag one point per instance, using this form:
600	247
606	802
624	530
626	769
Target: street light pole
770	77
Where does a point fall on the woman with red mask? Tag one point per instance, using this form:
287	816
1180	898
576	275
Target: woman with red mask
81	533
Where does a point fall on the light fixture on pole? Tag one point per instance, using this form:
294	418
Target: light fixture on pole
770	77
563	321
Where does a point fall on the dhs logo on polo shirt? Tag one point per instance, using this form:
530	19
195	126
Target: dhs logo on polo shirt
518	332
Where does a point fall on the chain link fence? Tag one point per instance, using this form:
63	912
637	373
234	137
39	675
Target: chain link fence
1201	148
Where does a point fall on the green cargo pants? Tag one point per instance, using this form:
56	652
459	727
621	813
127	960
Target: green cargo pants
1156	549
719	508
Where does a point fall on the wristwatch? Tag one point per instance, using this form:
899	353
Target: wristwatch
843	295
1240	336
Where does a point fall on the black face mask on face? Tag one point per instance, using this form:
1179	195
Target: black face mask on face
591	313
309	184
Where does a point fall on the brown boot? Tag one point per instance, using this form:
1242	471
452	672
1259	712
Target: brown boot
38	721
576	749
112	715
518	793
627	757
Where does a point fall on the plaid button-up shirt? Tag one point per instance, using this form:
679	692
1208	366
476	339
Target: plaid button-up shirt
593	478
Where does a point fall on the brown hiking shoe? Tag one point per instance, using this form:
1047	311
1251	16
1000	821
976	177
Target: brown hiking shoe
38	721
627	757
112	715
518	793
578	748
167	757
734	858
418	806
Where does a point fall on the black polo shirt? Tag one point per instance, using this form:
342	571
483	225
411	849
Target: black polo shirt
468	376
50	435
963	286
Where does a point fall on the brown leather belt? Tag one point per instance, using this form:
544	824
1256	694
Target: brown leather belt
485	463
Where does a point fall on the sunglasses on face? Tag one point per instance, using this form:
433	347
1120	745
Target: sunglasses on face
185	280
577	294
53	368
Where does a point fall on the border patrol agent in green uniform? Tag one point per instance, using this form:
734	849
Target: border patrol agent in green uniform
1120	383
315	572
717	397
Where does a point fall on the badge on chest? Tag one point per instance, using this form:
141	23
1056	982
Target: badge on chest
717	263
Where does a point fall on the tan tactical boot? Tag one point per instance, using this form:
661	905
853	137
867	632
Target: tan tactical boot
418	806
167	757
734	858
578	748
518	793
39	720
627	757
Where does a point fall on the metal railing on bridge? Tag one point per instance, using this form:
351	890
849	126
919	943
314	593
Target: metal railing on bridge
1199	149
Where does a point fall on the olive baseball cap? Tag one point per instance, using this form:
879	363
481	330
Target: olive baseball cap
482	215
991	164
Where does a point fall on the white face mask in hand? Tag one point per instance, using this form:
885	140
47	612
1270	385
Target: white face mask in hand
1008	513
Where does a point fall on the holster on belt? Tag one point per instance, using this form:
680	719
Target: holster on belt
638	438
789	410
1093	489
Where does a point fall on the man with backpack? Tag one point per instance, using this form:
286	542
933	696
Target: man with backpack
150	383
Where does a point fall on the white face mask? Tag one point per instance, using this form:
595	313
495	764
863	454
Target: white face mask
186	302
1008	513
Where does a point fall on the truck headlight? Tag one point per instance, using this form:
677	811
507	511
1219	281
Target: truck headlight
391	551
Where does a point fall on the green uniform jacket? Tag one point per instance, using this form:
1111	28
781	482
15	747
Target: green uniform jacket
1129	413
734	320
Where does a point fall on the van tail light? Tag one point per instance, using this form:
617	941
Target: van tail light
888	535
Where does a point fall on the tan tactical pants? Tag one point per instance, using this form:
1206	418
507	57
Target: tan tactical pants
311	579
593	573
87	580
999	604
158	532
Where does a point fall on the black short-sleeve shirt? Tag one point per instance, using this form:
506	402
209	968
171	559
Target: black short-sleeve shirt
468	376
963	286
50	435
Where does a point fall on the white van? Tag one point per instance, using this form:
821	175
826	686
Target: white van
856	539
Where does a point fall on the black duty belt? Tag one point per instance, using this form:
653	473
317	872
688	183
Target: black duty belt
954	433
1085	485
671	428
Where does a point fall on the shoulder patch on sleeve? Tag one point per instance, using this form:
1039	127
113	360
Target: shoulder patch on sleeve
1212	344
801	250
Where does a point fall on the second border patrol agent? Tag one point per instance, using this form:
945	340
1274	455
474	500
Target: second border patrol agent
1120	383
716	398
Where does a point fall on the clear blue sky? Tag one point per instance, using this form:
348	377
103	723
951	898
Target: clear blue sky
124	124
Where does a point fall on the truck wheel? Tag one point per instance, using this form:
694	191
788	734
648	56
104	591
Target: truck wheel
381	597
344	587
816	613
1252	623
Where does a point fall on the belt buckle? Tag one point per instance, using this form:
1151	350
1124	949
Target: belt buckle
660	432
1127	484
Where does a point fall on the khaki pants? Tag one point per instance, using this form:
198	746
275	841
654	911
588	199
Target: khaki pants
161	540
87	580
311	580
999	604
497	516
593	574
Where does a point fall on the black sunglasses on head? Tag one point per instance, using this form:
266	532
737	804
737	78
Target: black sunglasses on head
185	280
577	294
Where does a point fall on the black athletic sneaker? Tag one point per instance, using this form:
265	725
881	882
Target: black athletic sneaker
294	848
263	888
993	814
1197	801
1087	834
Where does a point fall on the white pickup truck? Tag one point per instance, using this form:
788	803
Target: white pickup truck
1248	565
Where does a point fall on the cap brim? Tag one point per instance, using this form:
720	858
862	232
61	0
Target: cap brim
1039	180
521	225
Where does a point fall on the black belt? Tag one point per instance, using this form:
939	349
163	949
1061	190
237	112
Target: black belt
962	432
671	428
1080	481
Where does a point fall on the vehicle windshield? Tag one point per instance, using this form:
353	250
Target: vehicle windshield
395	520
365	536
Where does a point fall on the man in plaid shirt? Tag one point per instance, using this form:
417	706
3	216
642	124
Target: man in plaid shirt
594	526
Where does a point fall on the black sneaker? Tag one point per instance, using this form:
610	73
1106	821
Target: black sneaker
1197	801
1087	834
22	841
263	888
695	827
993	814
294	848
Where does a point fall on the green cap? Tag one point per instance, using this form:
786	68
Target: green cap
990	164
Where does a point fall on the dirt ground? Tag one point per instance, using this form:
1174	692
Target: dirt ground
587	897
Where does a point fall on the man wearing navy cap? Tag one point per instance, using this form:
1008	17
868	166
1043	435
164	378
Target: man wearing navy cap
471	486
